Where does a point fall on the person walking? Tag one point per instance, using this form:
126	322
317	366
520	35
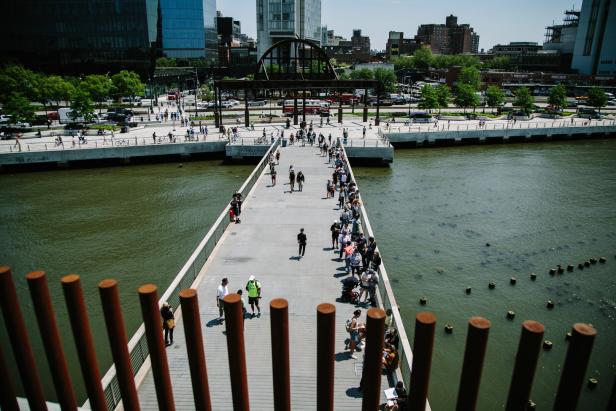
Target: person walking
277	157
353	327
273	175
300	180
254	294
221	293
335	229
168	323
291	178
301	240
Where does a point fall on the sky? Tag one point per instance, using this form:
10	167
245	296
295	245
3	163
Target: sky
496	21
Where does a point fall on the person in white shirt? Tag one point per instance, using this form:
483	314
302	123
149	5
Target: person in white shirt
221	293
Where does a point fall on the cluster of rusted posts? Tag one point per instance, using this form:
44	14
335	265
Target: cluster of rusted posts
114	321
571	380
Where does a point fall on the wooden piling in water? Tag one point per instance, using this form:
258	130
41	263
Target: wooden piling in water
8	398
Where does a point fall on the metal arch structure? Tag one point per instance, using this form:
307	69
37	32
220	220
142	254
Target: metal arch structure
294	65
295	59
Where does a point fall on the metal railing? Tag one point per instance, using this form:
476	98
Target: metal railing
386	298
372	142
137	345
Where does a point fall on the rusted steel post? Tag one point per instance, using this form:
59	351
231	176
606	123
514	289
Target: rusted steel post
423	344
476	344
194	347
572	377
237	352
525	365
148	297
373	365
114	321
41	301
78	313
279	328
16	329
326	343
8	398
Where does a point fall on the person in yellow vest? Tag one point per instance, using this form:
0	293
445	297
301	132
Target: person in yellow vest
254	294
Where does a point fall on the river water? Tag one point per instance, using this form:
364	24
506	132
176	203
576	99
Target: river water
537	205
137	224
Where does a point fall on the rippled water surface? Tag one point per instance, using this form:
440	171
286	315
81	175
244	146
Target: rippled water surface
537	205
136	224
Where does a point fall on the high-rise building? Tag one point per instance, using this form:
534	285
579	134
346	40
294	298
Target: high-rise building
397	45
66	37
188	29
449	38
360	43
282	19
595	43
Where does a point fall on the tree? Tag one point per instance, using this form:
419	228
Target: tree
422	58
443	96
166	62
499	63
18	107
403	62
597	97
127	83
16	79
98	87
495	97
470	75
82	106
524	100
466	96
558	97
362	74
429	98
206	92
57	89
387	80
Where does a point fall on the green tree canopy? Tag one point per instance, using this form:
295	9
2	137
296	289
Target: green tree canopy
166	62
206	92
98	86
422	58
499	62
82	106
17	79
429	98
524	100
558	97
470	75
127	83
597	97
443	96
18	107
466	96
362	74
403	62
386	78
495	97
57	89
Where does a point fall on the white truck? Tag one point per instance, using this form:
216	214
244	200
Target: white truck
64	115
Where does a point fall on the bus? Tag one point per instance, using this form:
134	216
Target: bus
312	107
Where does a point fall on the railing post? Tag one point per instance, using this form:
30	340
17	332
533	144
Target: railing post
237	352
279	328
118	342
326	343
375	333
78	314
41	301
14	321
194	346
525	365
8	398
148	297
574	368
476	344
423	345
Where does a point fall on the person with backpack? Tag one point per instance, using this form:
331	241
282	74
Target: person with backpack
168	323
353	327
300	180
254	294
291	178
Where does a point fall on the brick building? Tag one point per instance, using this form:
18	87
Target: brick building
449	38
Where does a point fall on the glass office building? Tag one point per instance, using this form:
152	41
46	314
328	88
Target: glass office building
281	19
188	28
80	37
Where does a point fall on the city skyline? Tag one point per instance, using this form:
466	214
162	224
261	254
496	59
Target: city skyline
399	15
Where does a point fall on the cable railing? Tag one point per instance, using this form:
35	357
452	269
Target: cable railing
137	346
444	126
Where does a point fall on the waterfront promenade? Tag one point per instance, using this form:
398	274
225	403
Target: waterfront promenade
265	245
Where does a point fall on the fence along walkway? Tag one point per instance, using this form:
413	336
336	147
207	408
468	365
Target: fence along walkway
265	245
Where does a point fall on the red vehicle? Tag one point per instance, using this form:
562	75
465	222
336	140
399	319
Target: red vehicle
344	98
312	107
173	96
53	115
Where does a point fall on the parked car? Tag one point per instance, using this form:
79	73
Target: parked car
4	119
257	103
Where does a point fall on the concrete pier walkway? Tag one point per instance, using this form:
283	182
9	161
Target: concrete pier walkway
265	245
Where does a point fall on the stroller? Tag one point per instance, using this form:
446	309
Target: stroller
348	293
